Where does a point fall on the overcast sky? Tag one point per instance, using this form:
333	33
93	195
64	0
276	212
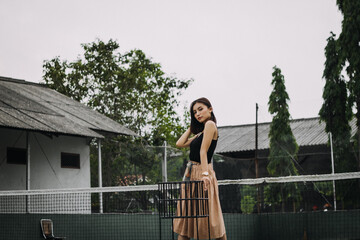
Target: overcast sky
228	47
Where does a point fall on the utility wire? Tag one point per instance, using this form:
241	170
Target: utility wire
42	150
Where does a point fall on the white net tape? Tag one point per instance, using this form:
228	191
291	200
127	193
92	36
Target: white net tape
139	188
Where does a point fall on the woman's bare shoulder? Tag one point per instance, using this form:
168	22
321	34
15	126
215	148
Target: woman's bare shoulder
210	124
211	128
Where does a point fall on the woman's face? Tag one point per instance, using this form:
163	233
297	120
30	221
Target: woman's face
201	112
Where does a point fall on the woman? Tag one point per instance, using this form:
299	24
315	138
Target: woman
202	147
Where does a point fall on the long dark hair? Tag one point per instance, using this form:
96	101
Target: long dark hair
195	126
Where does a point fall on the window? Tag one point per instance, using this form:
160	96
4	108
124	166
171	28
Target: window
16	155
70	160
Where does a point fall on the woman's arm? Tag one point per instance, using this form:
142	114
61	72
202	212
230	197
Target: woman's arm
209	133
184	140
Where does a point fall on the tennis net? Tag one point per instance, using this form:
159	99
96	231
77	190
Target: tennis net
295	207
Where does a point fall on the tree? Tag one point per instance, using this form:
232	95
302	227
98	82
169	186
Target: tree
283	146
336	114
341	96
335	111
349	56
129	88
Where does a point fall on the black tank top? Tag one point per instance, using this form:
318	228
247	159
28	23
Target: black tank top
195	146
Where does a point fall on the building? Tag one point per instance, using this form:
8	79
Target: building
45	137
236	149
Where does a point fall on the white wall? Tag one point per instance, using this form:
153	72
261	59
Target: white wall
45	166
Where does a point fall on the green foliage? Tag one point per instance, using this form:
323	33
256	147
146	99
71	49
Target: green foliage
247	204
283	146
342	96
325	188
129	88
277	194
335	111
248	195
349	55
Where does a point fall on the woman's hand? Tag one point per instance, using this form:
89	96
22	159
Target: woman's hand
206	181
185	140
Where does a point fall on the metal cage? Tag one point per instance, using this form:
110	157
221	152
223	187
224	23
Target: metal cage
186	199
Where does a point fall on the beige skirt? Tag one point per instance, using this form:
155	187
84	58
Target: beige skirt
187	226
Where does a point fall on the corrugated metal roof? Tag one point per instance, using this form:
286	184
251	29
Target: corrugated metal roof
307	132
32	106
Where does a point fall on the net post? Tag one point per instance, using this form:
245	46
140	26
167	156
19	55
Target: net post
333	170
159	206
164	164
100	176
27	171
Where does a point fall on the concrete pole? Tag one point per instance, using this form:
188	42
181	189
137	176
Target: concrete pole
27	171
258	202
333	169
256	144
100	176
164	164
